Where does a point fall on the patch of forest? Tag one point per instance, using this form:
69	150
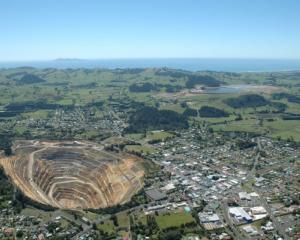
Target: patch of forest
5	143
246	101
212	112
206	80
287	96
190	112
6	188
142	87
148	87
254	100
30	79
150	118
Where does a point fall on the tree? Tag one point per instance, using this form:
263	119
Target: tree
94	226
171	235
7	151
115	220
5	144
19	234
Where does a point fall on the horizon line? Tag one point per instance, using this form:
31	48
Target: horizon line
144	58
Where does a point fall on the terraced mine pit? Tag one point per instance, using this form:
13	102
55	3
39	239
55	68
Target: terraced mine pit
73	175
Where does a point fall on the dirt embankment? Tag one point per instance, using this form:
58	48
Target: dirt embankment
74	176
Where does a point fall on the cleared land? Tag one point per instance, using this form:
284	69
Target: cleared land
73	175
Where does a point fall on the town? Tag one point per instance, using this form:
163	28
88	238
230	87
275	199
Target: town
223	186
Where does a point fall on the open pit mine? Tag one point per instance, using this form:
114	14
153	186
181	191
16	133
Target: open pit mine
73	175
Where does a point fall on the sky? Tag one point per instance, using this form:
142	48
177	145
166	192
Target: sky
97	29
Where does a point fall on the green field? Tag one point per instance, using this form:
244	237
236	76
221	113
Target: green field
107	227
278	128
123	220
158	135
30	211
174	219
140	149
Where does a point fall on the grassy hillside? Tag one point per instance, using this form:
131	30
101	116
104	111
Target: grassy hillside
28	94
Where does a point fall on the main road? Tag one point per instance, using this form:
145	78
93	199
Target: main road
263	201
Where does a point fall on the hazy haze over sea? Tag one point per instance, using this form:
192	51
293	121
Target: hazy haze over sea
191	64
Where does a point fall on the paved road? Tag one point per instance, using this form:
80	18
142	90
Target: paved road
262	200
236	233
252	172
276	223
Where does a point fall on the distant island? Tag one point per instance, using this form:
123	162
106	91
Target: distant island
68	59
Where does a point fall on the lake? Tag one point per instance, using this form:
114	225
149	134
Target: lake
229	89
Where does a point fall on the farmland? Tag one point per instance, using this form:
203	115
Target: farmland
149	152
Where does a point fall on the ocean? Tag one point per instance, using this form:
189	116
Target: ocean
190	64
